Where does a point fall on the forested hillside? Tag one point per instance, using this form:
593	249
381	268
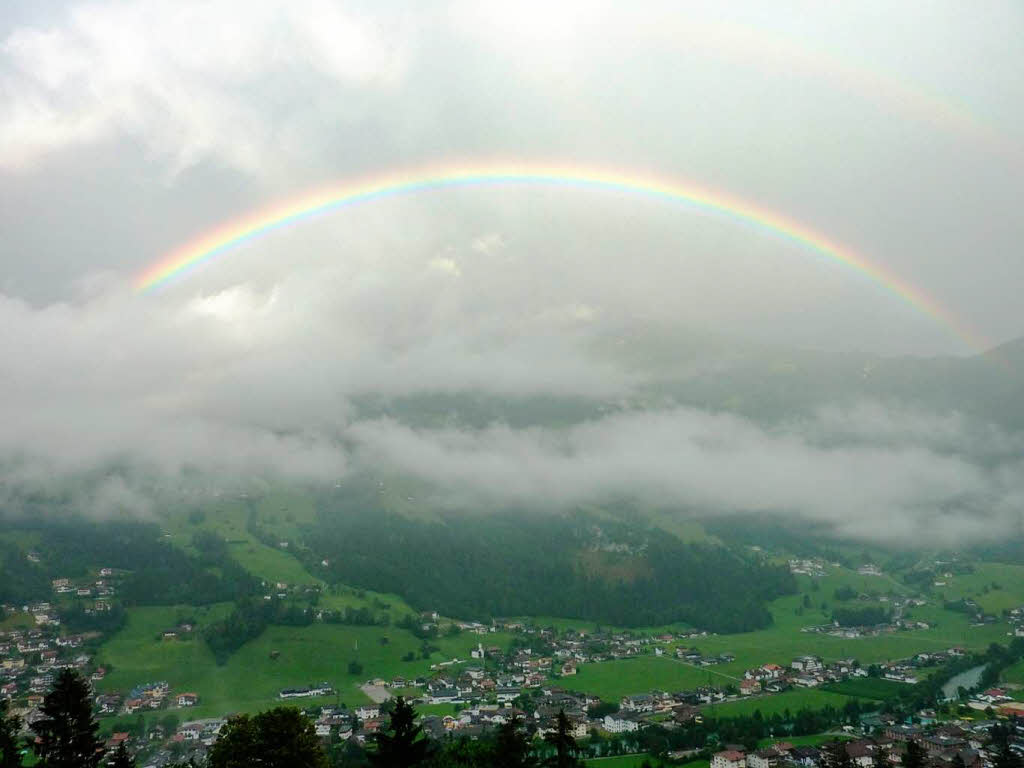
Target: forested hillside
154	572
534	564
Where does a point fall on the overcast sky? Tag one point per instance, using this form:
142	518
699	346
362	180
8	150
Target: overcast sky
130	127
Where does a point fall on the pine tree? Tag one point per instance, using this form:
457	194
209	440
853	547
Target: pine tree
10	750
914	756
278	738
122	758
834	755
563	742
403	745
511	746
66	736
1004	756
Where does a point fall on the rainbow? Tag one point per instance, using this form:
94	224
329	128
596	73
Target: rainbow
761	49
234	234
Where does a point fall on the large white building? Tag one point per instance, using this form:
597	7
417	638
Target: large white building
620	724
730	758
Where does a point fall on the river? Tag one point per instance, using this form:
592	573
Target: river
968	679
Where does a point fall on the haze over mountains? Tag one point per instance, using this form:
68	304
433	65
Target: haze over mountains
518	345
929	446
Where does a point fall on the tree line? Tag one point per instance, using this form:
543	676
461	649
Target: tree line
157	573
247	621
505	565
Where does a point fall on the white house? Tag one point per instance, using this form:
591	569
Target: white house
620	724
807	664
730	758
763	758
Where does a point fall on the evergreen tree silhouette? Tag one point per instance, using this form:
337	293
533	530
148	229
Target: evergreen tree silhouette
122	758
834	755
563	742
66	736
10	750
512	747
403	744
914	756
1004	756
278	738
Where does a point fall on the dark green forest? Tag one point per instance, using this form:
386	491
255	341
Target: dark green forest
523	564
151	571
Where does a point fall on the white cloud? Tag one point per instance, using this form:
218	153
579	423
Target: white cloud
189	81
707	463
127	399
128	126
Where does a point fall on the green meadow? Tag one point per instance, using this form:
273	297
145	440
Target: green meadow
251	679
784	640
229	520
994	586
869	688
620	761
17	620
611	680
802	741
1014	674
794	700
296	656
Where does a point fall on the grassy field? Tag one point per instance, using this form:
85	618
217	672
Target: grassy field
783	641
802	741
435	709
289	511
611	680
251	680
229	520
622	761
994	586
17	620
795	700
869	688
1014	674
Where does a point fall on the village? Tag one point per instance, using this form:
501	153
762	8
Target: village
525	678
496	684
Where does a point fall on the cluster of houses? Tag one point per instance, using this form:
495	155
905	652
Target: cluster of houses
813	566
1016	617
323	689
30	660
943	745
143	697
998	700
104	586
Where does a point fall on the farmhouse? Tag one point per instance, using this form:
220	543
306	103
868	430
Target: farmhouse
620	723
807	664
763	758
642	703
730	758
748	687
297	693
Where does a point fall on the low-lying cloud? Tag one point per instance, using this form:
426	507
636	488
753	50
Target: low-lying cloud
128	128
711	463
127	403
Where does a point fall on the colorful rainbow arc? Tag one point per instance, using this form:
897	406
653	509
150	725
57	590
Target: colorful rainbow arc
234	234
